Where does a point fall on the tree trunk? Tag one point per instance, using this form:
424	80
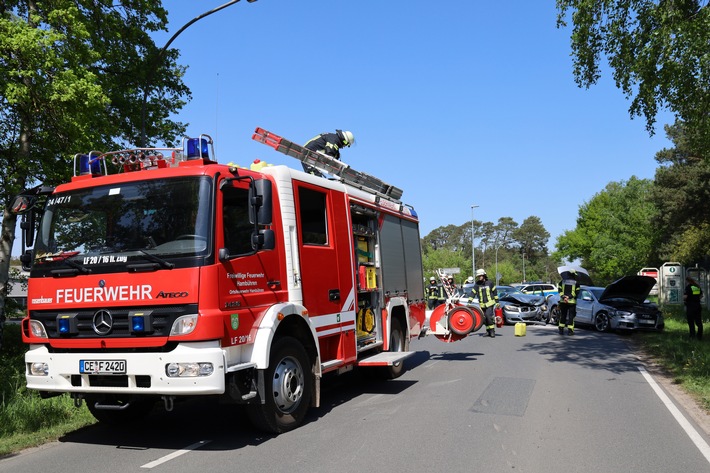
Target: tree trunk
9	221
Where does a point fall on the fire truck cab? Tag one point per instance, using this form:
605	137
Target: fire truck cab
178	276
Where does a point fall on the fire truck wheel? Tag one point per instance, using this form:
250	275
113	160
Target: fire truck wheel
398	342
288	385
121	411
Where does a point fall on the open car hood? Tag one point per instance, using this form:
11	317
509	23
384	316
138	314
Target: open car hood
524	299
636	288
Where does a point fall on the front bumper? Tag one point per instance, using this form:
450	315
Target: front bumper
145	372
524	314
634	323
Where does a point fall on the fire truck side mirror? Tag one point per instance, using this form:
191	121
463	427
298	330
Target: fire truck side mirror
26	260
27	225
260	199
264	240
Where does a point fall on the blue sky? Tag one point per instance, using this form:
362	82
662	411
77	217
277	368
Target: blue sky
456	102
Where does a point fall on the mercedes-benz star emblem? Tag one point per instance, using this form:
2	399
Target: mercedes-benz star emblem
103	322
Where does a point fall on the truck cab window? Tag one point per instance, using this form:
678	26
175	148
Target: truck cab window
237	229
313	216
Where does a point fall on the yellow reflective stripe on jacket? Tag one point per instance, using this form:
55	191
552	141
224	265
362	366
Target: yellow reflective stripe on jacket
485	298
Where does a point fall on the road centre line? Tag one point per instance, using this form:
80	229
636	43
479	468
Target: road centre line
689	429
176	454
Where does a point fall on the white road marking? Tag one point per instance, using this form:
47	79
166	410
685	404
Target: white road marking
176	454
682	421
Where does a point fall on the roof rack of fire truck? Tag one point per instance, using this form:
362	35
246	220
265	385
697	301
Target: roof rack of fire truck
328	165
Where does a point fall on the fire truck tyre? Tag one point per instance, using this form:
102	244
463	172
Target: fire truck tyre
398	342
124	412
463	320
288	385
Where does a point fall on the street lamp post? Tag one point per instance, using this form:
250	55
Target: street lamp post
473	246
497	281
524	267
156	59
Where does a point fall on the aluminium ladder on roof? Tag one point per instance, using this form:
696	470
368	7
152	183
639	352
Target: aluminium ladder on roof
327	164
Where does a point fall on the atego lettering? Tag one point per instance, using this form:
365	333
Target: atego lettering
163	294
104	294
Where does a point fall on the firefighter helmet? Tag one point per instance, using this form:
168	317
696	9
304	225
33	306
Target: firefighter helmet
347	137
481	272
469	280
433	279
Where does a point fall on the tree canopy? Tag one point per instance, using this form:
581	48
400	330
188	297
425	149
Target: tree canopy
73	76
614	235
658	51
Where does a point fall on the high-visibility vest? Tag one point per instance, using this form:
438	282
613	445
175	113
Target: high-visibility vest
568	288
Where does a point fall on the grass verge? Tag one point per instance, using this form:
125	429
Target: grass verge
686	360
26	420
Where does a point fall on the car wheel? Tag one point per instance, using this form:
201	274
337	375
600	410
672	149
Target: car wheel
553	316
601	322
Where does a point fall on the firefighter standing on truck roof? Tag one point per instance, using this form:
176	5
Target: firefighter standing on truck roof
487	295
329	144
568	289
434	293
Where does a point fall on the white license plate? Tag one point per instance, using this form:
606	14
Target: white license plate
647	322
102	366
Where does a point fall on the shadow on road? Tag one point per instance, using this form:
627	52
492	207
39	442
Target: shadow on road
587	348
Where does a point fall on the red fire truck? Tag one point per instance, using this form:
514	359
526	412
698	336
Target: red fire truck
178	276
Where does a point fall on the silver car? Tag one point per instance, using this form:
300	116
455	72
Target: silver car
620	306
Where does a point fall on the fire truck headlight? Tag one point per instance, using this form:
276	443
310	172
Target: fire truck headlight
188	370
184	325
37	329
38	369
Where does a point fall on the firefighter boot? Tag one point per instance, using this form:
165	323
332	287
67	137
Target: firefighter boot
561	330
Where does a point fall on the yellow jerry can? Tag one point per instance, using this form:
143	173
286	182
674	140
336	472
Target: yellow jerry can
520	329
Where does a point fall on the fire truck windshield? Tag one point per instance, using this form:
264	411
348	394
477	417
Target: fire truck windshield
108	228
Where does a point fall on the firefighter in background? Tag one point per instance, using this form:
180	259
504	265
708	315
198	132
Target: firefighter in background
329	144
568	289
451	285
487	295
693	309
434	293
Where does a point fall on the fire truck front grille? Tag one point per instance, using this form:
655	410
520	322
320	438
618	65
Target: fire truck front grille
112	323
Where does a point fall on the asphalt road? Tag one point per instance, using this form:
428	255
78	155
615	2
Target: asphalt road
538	403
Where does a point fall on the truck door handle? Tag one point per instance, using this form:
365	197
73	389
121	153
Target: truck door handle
334	295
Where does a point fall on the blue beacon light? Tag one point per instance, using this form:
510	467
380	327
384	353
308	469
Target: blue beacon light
197	148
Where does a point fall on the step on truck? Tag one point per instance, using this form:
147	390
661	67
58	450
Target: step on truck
158	274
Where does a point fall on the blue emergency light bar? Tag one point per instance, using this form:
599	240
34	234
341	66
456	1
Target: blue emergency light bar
89	165
197	148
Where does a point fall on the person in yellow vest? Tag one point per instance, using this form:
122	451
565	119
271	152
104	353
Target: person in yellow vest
568	289
434	293
693	309
487	295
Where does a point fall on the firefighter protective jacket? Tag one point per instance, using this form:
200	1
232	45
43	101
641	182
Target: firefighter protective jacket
434	292
569	288
328	143
486	293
